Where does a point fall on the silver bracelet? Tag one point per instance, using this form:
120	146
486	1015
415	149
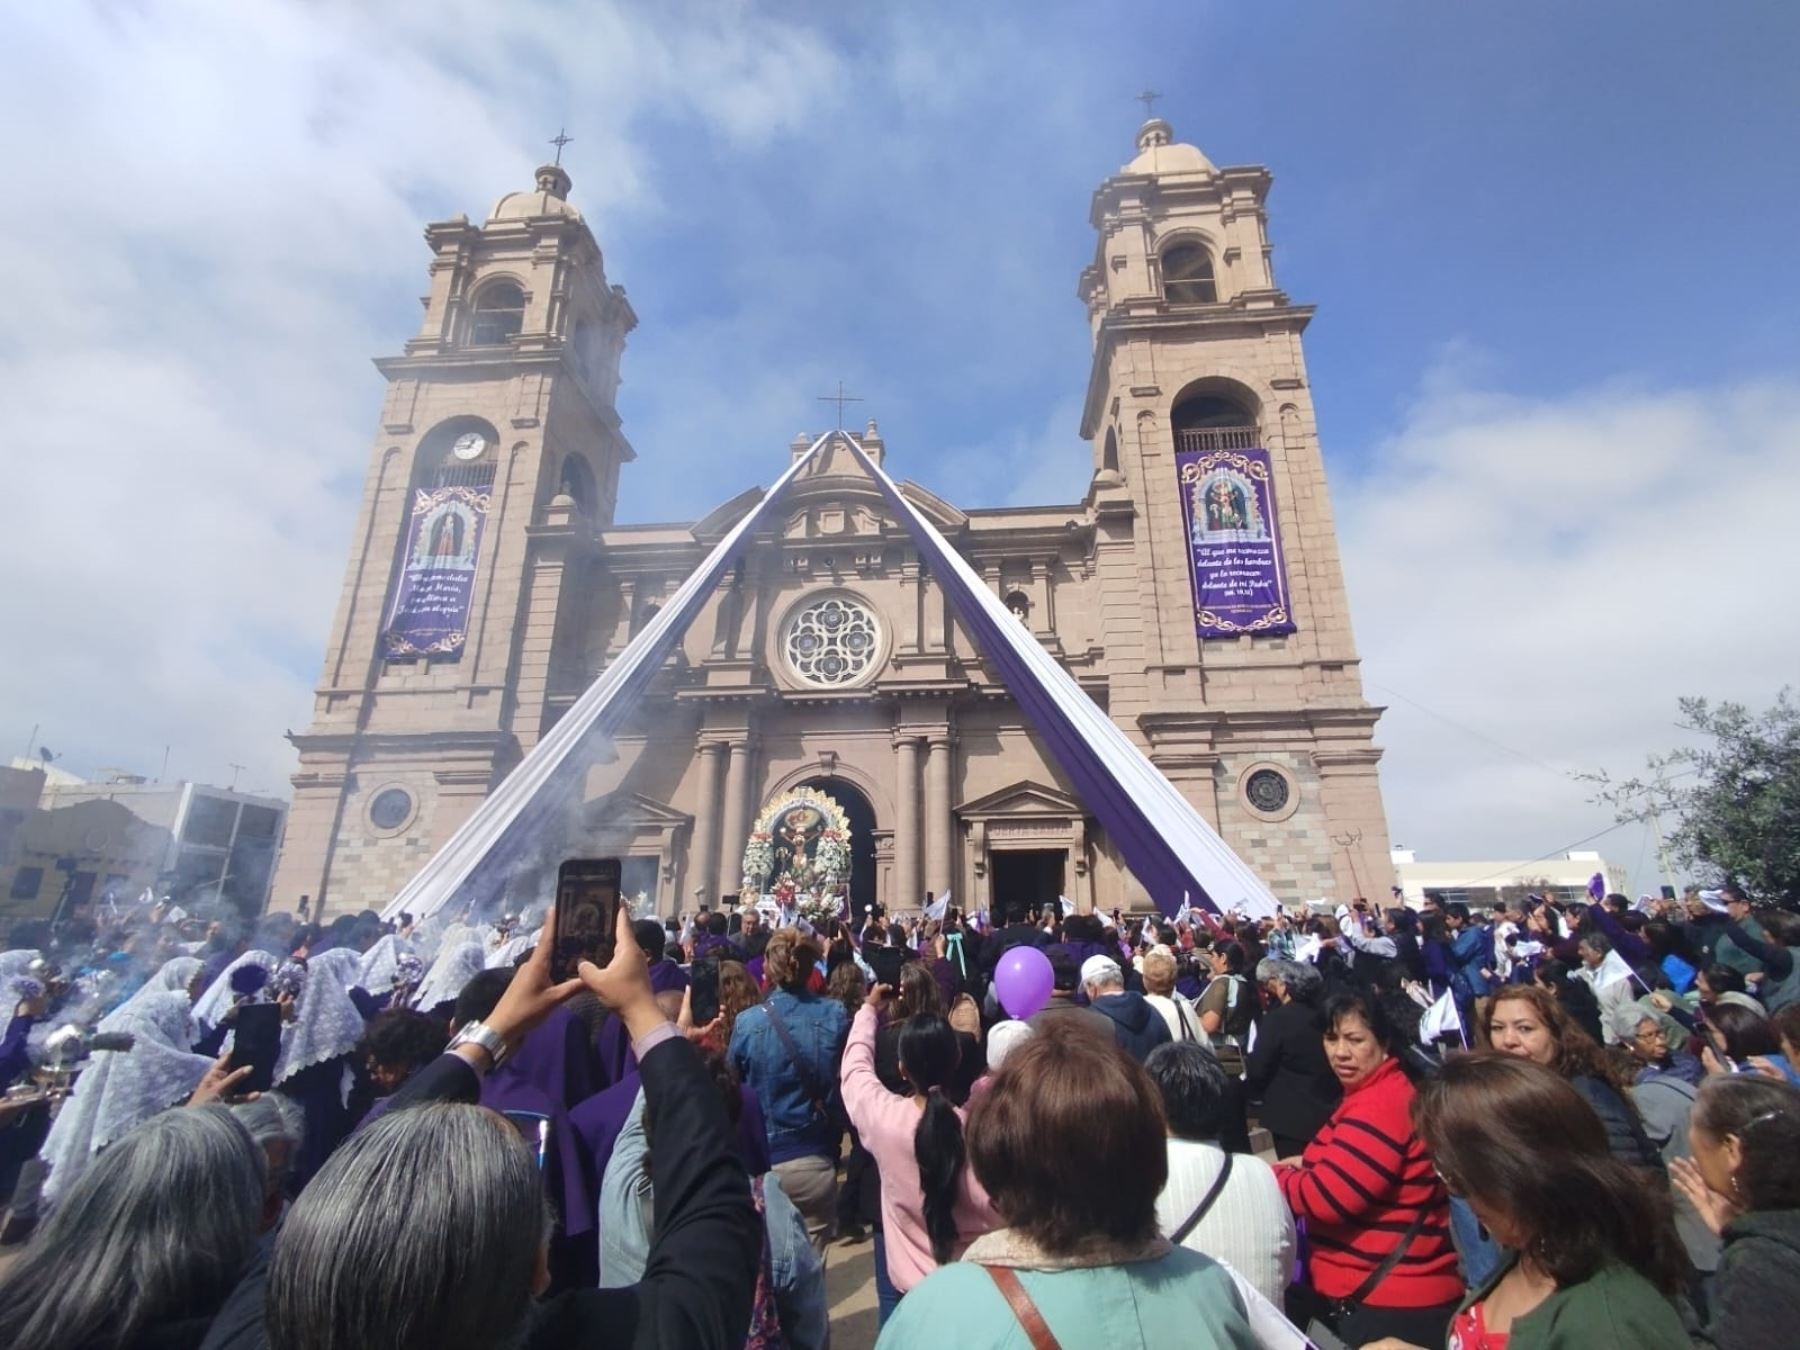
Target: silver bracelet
481	1034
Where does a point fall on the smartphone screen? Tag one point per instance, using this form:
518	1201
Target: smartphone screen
256	1043
587	908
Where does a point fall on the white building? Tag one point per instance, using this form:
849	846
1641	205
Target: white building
1564	878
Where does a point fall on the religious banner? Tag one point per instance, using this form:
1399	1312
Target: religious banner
430	612
1233	543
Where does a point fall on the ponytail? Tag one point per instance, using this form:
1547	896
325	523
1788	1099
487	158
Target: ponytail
941	1154
929	1053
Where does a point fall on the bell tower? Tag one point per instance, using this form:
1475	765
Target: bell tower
495	466
1231	654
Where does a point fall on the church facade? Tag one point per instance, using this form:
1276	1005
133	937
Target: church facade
488	585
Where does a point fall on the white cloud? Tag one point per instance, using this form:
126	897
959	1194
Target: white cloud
1551	574
213	217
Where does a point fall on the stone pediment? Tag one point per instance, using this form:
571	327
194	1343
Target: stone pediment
1024	798
717	523
632	810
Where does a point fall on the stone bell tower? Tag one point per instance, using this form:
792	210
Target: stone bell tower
495	464
1259	715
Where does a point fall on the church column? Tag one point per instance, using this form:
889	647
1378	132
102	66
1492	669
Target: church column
908	888
736	816
703	862
937	815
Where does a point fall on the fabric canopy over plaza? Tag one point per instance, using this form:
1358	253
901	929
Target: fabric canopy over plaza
1168	845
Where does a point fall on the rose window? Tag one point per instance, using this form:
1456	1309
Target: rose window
1267	791
832	642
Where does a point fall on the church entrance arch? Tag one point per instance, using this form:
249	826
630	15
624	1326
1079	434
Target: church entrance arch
862	841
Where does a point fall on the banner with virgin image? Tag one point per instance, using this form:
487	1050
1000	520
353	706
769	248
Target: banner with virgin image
429	615
1233	543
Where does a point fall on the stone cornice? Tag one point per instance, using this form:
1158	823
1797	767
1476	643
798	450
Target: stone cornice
489	743
1153	316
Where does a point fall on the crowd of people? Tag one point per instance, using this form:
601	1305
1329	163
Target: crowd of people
1547	1123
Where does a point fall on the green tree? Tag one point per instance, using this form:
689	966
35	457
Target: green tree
1735	795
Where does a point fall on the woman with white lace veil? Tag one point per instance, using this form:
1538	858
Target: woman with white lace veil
454	967
317	1064
176	976
120	1089
226	991
388	972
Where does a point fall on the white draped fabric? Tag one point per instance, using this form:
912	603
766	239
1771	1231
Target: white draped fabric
599	711
1161	835
1167	844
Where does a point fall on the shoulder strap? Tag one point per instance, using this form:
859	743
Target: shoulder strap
807	1082
1386	1268
1036	1329
1206	1203
1187	1031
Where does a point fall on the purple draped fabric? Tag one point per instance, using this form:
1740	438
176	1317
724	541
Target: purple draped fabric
1151	858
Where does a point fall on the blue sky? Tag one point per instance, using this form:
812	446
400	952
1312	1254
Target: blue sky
1550	246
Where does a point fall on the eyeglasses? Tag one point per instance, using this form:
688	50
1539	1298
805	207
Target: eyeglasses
1449	1185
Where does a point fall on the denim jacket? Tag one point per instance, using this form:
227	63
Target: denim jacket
819	1027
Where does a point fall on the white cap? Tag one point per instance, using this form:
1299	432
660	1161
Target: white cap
1101	970
1002	1037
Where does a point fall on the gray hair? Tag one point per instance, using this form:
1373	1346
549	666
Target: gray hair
1303	981
363	1258
157	1228
278	1127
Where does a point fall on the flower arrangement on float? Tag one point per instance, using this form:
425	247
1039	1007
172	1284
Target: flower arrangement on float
798	856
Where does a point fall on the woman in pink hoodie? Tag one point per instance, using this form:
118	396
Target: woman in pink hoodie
931	1204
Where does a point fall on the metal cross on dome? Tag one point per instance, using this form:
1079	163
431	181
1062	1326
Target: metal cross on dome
840	398
559	140
1148	99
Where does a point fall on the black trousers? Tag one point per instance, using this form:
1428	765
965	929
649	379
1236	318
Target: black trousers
1415	1326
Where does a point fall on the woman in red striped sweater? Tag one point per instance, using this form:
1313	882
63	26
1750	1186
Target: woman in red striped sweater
1379	1261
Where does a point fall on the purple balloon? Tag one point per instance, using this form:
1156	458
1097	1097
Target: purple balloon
1023	981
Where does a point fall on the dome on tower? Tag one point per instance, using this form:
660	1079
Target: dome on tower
549	198
1160	153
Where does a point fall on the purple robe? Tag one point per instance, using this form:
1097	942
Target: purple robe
617	1063
15	1058
558	1059
319	1091
570	1178
600	1119
666	975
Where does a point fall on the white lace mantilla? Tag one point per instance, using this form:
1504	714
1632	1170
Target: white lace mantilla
121	1089
218	998
454	968
326	1021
